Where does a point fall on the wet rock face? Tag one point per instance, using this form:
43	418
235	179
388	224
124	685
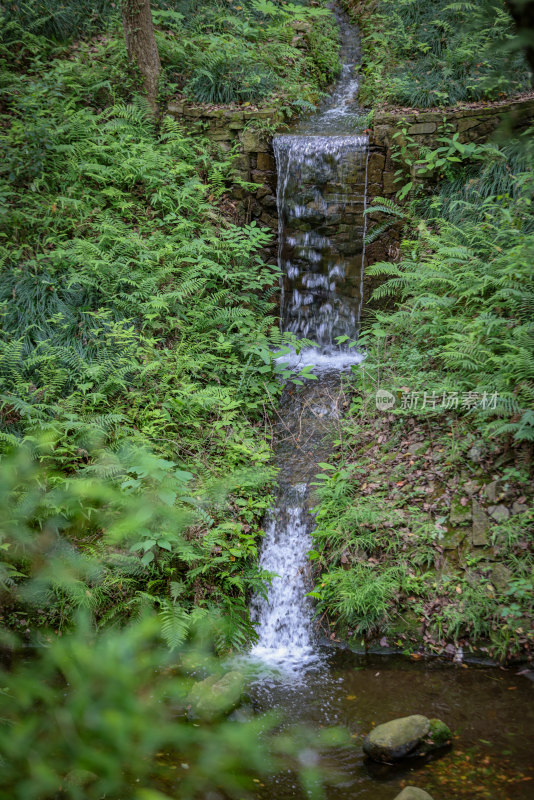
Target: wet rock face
321	204
405	737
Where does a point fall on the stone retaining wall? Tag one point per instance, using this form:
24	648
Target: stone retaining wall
424	128
255	160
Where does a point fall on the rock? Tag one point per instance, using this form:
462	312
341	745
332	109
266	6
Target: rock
417	447
500	577
476	452
459	513
517	508
499	513
406	737
490	490
262	192
440	734
253	142
413	793
375	167
394	740
479	534
390	182
452	539
216	695
471	487
177	109
421	128
269	202
266	162
232	115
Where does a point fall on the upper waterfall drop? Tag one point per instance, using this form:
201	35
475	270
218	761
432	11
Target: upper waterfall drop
321	210
321	202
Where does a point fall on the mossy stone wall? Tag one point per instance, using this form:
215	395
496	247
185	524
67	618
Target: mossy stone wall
236	130
240	130
424	128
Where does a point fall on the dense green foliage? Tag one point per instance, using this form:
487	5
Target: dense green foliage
251	52
388	560
212	52
451	338
466	290
111	713
121	726
136	359
110	228
456	352
421	54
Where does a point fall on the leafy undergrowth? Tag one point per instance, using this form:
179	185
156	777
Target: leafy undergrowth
254	52
422	55
425	526
408	543
137	329
251	52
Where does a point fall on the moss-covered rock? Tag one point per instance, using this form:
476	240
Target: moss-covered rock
396	739
406	737
440	734
216	695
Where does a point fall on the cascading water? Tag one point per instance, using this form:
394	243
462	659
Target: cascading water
322	176
321	204
284	617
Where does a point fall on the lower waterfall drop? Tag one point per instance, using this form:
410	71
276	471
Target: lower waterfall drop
285	617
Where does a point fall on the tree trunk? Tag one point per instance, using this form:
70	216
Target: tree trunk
141	45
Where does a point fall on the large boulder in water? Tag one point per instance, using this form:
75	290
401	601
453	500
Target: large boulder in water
216	695
413	793
405	737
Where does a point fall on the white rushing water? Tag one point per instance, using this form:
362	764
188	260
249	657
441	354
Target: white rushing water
321	203
284	618
321	196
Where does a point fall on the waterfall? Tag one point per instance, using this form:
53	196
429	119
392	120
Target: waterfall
285	616
321	205
321	197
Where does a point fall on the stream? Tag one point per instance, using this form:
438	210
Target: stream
322	177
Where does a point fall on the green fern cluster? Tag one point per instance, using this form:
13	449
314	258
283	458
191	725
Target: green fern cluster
135	318
360	554
57	19
422	55
229	55
210	52
466	291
